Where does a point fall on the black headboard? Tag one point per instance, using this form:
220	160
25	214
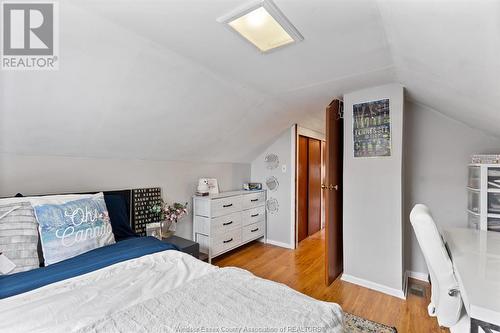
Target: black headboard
138	202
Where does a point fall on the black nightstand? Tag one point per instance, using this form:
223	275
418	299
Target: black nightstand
185	245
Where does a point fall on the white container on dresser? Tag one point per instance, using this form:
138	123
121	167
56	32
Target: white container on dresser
224	221
483	196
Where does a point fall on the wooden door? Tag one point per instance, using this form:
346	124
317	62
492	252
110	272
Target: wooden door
333	191
314	187
302	184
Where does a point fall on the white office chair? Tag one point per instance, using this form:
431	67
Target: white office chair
446	303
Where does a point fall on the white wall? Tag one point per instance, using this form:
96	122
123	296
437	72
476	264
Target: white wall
438	150
280	226
373	234
118	94
178	180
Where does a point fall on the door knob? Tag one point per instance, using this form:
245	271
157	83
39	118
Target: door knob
324	187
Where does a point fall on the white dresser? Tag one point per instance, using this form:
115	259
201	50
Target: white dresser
227	220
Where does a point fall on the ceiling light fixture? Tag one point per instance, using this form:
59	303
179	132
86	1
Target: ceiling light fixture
262	24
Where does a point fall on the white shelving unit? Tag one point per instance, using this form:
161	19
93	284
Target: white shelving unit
483	196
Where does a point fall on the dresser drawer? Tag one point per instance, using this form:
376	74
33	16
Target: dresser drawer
220	225
253	200
254	215
224	206
253	231
226	241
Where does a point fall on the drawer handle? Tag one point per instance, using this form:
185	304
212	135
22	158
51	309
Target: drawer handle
254	215
254	200
254	230
225	206
228	223
227	241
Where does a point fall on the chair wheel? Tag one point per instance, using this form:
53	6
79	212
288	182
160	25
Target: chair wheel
431	309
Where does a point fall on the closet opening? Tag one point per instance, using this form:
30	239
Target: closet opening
310	176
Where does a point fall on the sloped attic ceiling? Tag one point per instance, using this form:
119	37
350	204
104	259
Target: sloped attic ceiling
161	79
447	54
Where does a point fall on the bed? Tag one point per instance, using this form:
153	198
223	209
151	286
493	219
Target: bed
142	284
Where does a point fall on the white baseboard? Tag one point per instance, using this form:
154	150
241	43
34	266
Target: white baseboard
418	276
414	275
280	244
374	286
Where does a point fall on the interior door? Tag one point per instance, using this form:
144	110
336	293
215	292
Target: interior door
314	187
333	191
302	184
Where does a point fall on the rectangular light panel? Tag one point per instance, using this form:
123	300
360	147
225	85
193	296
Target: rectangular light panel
263	25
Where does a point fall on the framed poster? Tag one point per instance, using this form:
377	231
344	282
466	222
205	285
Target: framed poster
371	129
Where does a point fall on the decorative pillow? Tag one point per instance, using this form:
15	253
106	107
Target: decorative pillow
74	227
19	236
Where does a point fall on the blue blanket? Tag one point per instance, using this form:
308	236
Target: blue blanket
18	283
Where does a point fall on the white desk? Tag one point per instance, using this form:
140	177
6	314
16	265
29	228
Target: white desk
476	261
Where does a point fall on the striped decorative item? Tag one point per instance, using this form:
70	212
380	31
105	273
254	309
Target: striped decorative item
19	235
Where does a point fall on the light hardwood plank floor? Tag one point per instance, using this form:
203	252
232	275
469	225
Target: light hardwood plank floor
303	270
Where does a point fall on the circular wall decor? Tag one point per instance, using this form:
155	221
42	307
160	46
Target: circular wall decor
272	161
272	183
272	205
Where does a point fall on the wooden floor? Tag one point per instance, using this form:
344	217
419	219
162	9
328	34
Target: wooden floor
303	270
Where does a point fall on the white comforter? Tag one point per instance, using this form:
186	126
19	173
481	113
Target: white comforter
167	292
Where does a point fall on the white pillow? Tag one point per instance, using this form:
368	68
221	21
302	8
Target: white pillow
19	236
69	227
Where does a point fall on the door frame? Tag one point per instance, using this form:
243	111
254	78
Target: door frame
302	131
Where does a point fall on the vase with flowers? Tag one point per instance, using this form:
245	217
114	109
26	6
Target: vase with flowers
170	215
